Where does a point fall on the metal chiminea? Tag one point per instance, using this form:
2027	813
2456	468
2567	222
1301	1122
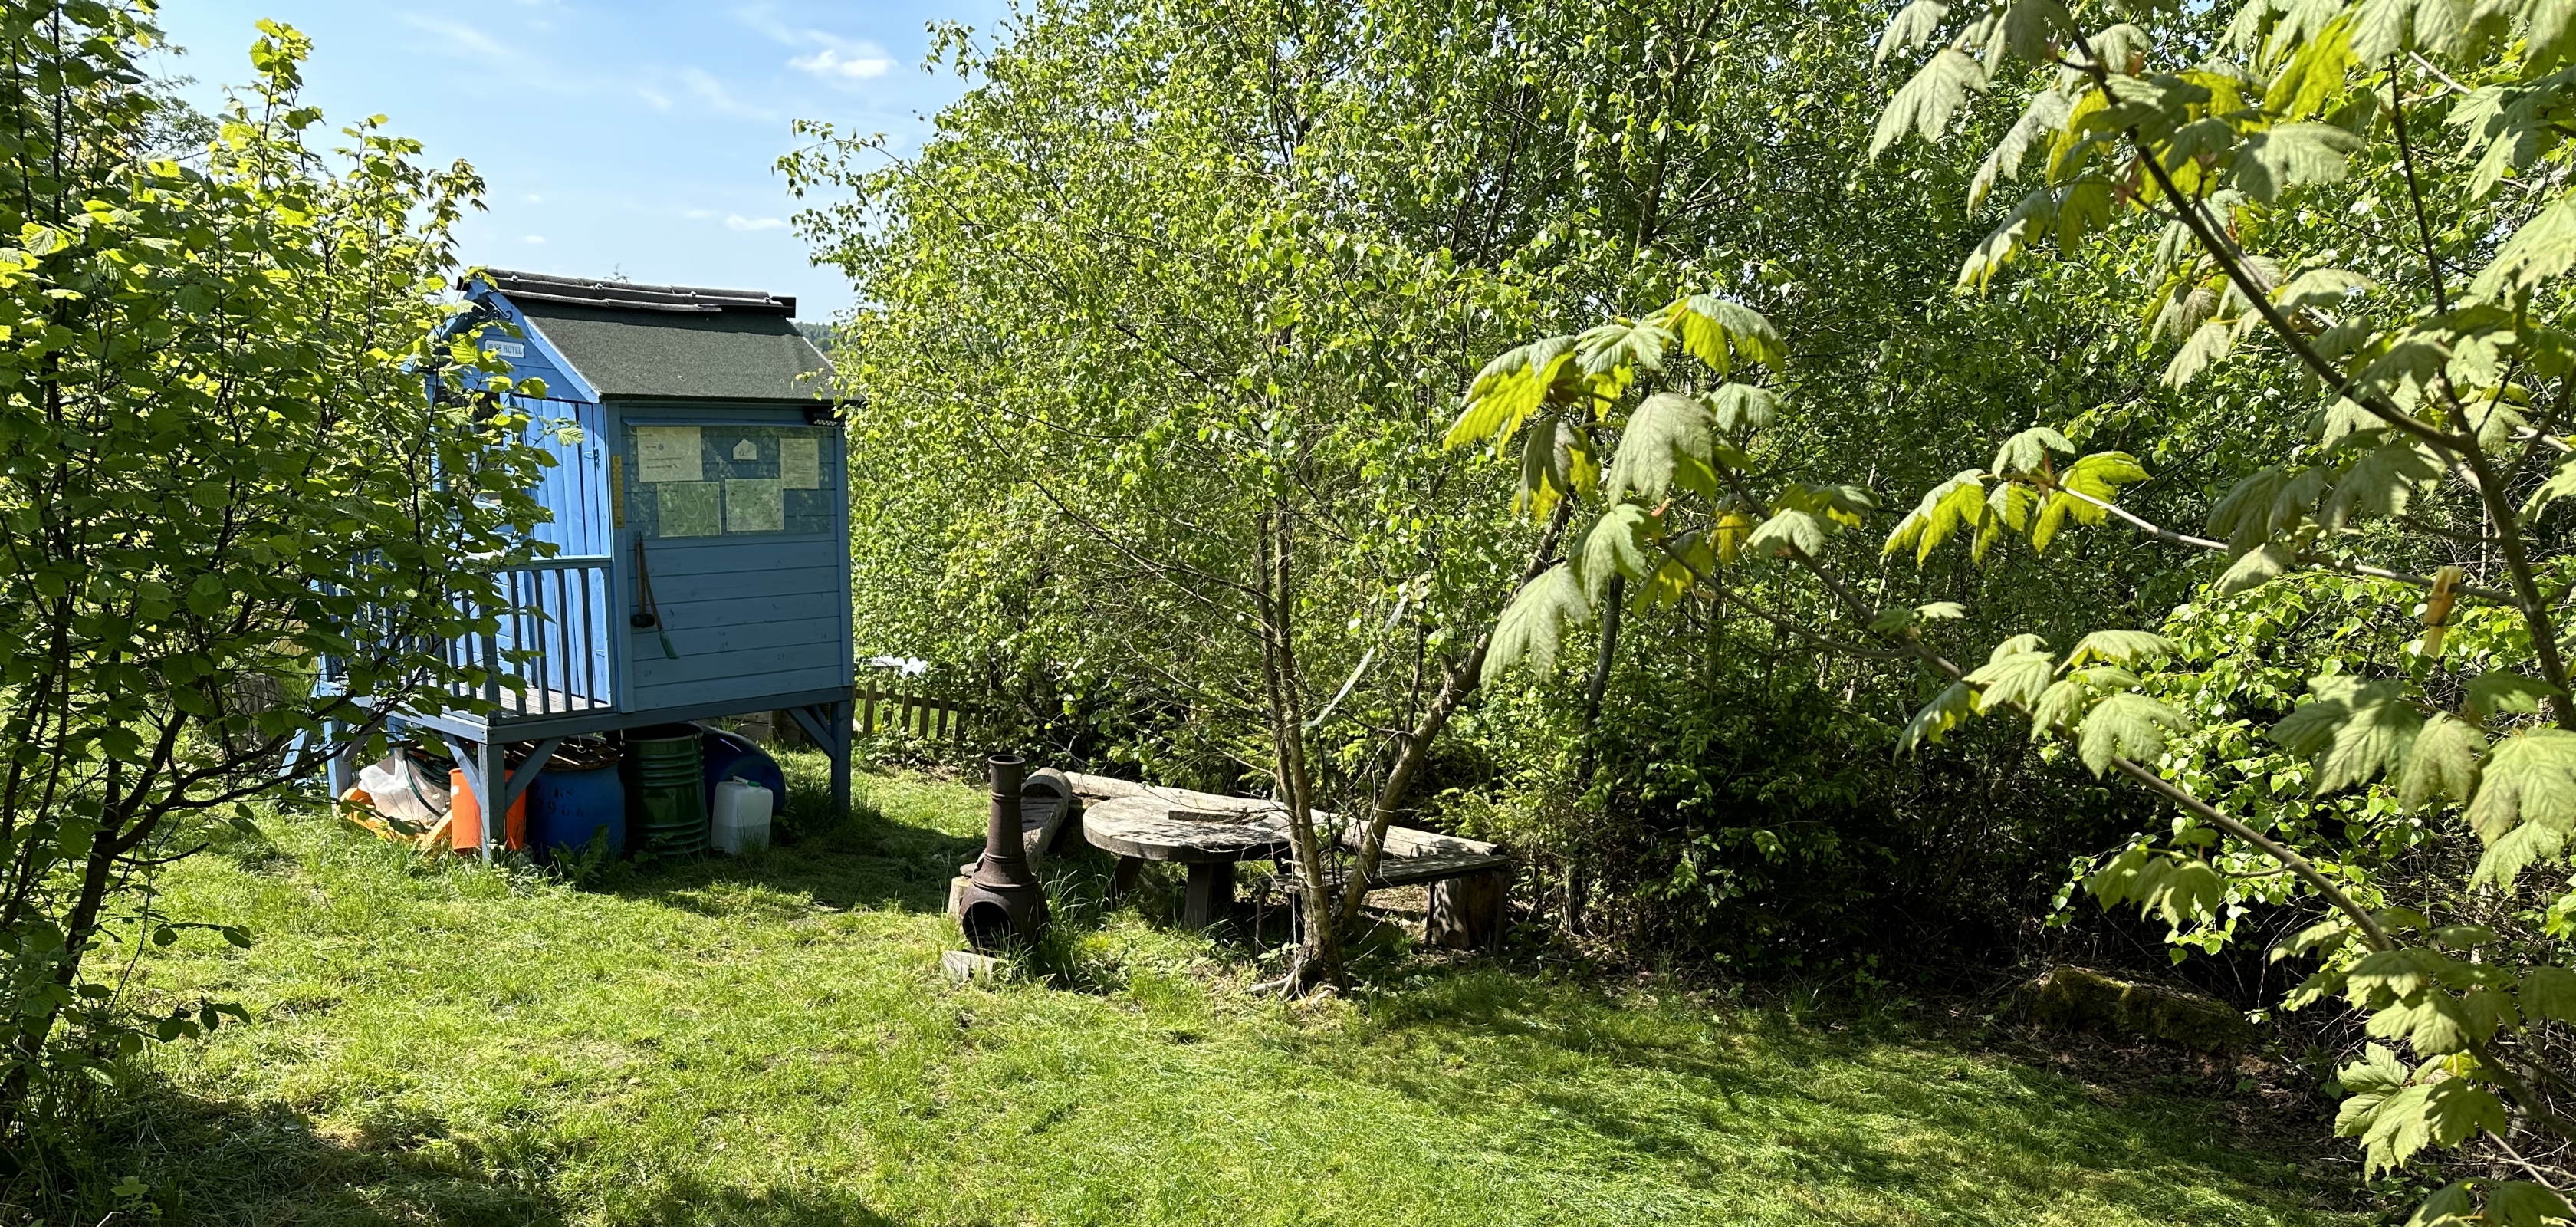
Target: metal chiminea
1003	903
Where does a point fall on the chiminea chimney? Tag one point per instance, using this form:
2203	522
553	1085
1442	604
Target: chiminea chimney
1003	903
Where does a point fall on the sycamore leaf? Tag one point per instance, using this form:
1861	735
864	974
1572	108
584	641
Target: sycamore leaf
1960	500
2028	451
1786	532
1638	346
2543	250
2130	726
2443	765
2046	115
2286	155
2255	569
2548	994
2561	483
1556	461
1533	626
2353	731
2546	27
1508	390
1925	103
1742	406
2522	1203
2497	693
2120	647
2383	482
2059	706
1667	443
1615	545
2100	476
2033	28
1913	26
1723	334
1946	711
2322	287
2013	680
2207	344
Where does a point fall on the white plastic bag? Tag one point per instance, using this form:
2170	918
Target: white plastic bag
403	791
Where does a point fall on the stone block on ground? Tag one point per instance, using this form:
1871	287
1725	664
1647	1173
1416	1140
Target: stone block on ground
2075	997
962	966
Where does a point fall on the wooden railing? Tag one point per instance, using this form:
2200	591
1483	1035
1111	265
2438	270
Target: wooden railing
549	655
896	706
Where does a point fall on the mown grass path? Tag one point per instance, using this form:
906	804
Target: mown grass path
767	1041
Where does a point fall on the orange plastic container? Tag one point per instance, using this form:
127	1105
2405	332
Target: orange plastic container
465	816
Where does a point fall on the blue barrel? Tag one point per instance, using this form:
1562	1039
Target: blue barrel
732	756
568	806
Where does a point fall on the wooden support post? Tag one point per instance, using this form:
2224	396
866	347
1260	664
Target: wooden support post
1467	913
336	773
829	725
1210	897
1130	868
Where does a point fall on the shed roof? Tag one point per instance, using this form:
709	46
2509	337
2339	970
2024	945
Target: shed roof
670	341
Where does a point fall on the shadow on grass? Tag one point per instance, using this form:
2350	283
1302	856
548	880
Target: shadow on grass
1848	1108
871	861
221	1164
217	1163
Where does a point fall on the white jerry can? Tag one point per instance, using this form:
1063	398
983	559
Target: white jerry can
741	820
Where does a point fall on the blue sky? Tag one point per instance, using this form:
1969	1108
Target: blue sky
634	136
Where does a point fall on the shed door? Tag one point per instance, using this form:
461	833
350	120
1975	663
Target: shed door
742	532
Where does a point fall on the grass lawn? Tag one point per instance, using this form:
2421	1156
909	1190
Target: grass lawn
769	1041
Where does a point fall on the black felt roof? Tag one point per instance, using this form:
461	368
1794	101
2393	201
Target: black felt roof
671	341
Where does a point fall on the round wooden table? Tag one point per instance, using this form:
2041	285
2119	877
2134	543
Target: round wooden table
1209	840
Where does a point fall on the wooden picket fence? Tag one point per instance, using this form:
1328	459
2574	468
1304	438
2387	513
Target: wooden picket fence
896	707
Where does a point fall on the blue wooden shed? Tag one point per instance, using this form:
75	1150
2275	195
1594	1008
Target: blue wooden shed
700	519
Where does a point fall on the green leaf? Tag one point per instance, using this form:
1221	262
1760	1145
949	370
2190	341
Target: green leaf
2521	1203
2322	287
2131	726
1786	532
2120	647
2353	731
1742	406
1533	626
2527	779
2207	344
2541	251
1617	544
2443	765
1622	346
1723	334
2283	156
1508	390
1925	103
1913	26
2383	482
2028	451
2498	693
2255	569
1948	710
2548	994
1667	442
2015	679
2046	114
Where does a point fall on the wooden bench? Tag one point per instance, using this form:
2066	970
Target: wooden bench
1469	880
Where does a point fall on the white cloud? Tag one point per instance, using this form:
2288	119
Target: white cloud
859	65
739	222
534	240
460	38
654	98
719	99
697	215
531	198
837	60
